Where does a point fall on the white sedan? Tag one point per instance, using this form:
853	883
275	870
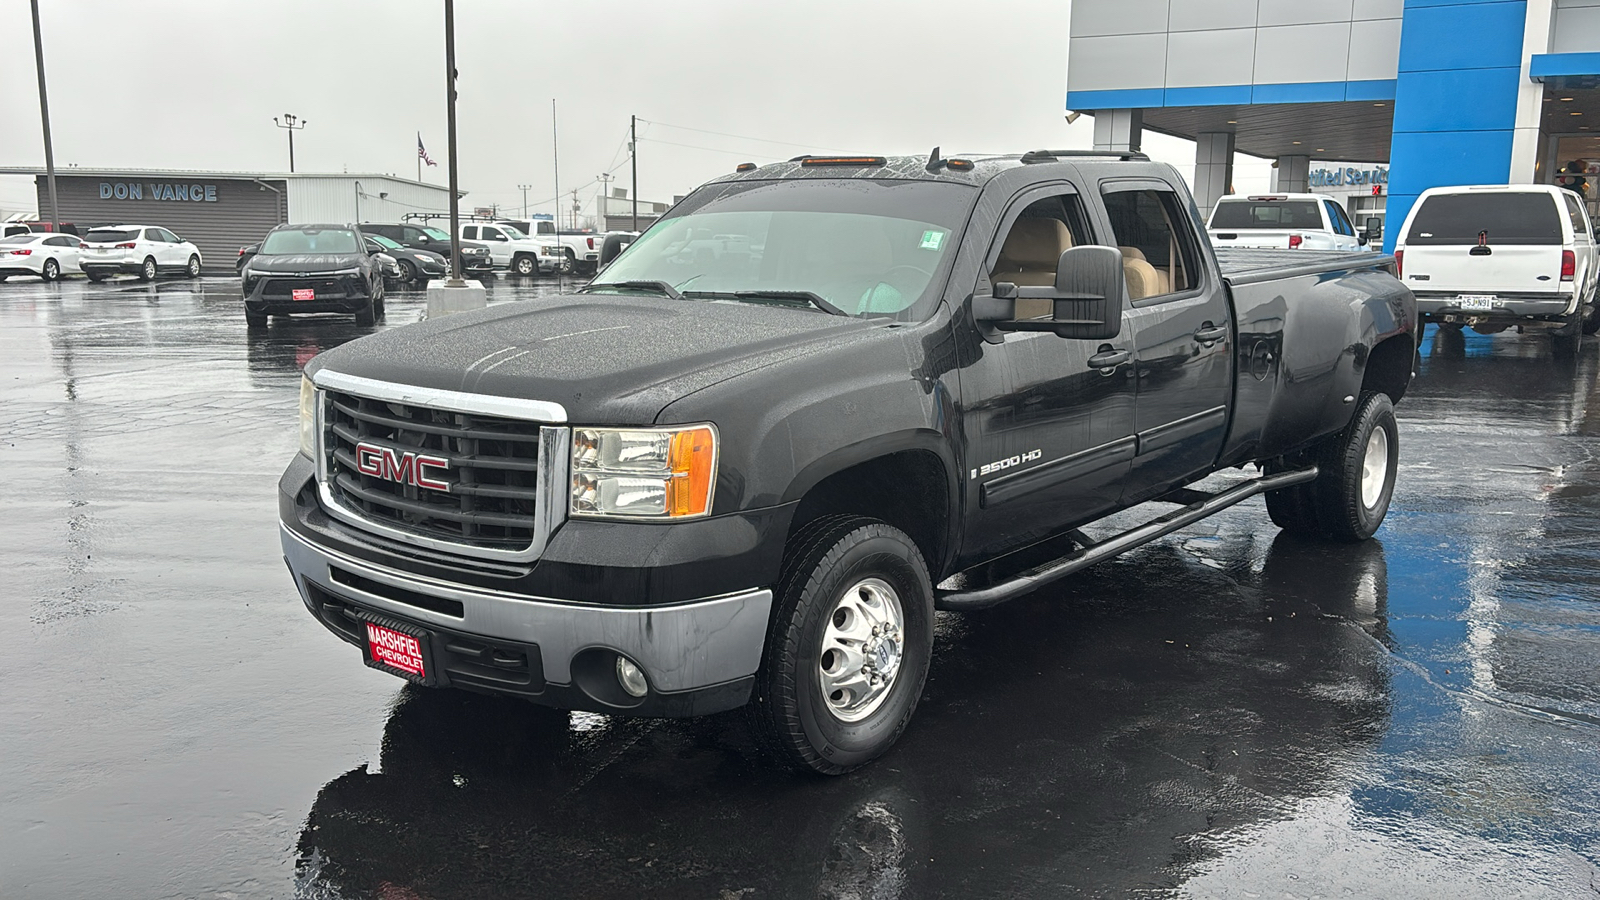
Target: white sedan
45	255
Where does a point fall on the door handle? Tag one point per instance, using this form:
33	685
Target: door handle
1107	360
1209	334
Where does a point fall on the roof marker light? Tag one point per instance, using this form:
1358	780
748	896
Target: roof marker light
843	161
745	167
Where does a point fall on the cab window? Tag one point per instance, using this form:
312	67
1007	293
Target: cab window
1159	255
1027	252
492	234
1336	219
1580	220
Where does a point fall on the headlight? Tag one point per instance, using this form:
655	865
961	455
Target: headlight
308	418
643	473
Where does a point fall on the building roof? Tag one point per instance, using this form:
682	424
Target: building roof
96	171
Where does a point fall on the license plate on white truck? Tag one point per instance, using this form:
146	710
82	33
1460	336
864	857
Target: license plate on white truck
1478	302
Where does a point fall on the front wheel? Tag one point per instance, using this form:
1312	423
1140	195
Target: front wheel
408	272
193	268
847	648
255	321
525	266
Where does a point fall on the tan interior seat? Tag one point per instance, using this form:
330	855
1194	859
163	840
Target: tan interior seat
1029	258
1157	281
1143	279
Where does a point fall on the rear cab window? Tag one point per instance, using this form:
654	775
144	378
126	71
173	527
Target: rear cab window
1160	256
1242	215
1509	217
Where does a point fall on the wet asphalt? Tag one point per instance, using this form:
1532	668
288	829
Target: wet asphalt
1225	713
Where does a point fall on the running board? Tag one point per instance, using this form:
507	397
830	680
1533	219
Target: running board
1199	506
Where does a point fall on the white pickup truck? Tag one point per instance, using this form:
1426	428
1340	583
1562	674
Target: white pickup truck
1495	257
582	248
1283	222
510	249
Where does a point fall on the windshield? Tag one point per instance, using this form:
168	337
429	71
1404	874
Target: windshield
1246	214
110	235
866	247
436	234
1509	218
384	242
309	240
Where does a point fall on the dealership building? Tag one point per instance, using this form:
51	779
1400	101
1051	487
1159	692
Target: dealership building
1440	92
223	211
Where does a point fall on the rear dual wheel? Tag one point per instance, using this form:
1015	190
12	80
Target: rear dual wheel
1355	484
848	646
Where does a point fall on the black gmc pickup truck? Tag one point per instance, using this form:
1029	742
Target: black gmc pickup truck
814	403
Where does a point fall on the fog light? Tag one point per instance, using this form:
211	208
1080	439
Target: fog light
631	678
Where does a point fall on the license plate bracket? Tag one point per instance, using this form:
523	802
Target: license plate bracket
303	294
1478	302
398	648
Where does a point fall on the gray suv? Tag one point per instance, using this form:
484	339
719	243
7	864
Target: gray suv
474	254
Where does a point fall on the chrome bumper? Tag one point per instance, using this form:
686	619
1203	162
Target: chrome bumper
681	647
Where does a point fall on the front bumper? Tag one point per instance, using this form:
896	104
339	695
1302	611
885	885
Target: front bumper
340	294
1509	308
700	657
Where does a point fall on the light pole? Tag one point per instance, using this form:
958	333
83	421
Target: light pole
358	203
450	97
633	161
291	124
600	204
524	189
44	116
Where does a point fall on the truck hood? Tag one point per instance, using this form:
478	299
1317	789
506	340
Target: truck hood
605	359
310	263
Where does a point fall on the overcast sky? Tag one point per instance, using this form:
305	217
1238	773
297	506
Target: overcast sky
194	84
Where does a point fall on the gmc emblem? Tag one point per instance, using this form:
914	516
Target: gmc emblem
402	466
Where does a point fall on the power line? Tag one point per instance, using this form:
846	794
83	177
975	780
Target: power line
709	149
745	137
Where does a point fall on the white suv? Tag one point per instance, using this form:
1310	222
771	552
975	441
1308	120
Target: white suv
142	250
1283	222
511	249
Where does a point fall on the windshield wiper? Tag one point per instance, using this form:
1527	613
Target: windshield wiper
659	287
807	296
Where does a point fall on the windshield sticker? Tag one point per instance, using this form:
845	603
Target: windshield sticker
932	239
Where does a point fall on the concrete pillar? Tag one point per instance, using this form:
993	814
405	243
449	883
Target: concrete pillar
1293	175
1526	140
1118	129
447	296
1213	169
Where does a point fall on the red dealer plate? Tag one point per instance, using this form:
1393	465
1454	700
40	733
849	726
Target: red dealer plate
303	294
394	649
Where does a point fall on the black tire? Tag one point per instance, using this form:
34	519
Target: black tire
4	277
95	277
255	321
1591	322
1565	346
367	316
193	268
51	270
1342	512
524	266
825	560
408	272
147	271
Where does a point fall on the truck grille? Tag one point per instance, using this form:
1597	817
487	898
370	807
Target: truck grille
490	469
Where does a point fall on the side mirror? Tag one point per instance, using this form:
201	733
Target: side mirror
1362	238
1087	299
1374	228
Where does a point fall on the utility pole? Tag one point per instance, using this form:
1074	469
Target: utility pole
450	97
555	161
601	225
524	189
291	124
576	208
44	116
633	160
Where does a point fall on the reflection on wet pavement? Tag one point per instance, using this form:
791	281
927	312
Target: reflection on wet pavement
1227	713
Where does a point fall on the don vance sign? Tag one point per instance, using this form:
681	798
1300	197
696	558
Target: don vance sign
158	190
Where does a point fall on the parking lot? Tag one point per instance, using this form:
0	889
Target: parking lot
1225	713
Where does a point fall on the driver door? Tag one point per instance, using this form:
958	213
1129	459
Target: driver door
1049	434
499	245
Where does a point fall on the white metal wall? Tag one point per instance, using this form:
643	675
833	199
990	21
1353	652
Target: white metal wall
1576	28
332	198
1131	44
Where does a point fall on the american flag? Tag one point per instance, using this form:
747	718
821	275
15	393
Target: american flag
422	152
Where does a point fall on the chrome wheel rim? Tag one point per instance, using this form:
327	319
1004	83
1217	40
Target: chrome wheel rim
863	644
1375	467
149	270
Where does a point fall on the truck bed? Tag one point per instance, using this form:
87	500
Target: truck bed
1246	266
